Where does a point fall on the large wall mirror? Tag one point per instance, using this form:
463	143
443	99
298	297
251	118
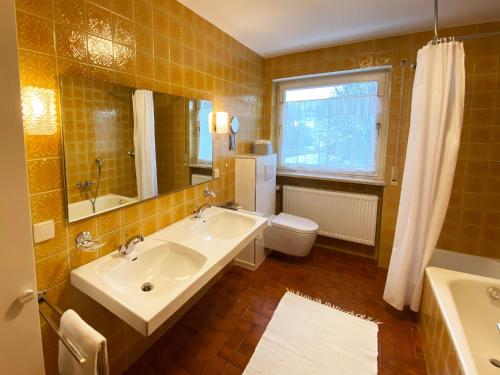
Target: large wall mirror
123	145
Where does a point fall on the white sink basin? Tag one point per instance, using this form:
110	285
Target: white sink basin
168	268
163	267
223	225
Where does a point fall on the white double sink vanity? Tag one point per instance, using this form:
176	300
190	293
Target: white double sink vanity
169	267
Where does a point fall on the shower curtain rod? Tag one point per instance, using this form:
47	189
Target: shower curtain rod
436	38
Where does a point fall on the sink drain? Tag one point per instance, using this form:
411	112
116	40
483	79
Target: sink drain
147	287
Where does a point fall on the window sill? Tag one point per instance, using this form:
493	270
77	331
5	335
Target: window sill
348	179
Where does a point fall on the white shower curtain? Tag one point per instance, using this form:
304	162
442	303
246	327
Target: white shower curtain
144	144
433	143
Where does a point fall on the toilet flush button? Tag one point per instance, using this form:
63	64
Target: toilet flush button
43	231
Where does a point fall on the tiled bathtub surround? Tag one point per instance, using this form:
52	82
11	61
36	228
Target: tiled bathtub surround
98	123
472	223
155	45
440	355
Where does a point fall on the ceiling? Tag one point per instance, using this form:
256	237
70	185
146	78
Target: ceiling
275	27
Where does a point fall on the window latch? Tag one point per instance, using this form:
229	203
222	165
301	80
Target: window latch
379	126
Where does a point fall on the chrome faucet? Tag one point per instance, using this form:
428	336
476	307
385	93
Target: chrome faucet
129	246
199	211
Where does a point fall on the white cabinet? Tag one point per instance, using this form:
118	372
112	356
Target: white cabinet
255	190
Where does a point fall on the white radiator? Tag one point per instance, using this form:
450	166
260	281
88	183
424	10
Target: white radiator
348	216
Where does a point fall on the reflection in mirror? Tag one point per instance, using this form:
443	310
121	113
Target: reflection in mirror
123	145
98	135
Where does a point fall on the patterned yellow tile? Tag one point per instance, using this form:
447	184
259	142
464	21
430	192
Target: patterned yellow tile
124	58
123	31
100	51
160	21
99	21
47	206
124	7
144	64
34	33
143	13
143	38
52	270
44	175
70	12
161	48
81	257
130	231
72	68
71	43
178	198
54	245
42	146
108	222
126	79
110	242
37	70
161	5
149	208
164	218
145	83
42	8
149	225
130	214
86	225
165	202
178	213
161	70
100	74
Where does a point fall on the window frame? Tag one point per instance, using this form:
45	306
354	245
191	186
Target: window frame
380	74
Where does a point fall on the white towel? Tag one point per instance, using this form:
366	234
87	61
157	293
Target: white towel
90	343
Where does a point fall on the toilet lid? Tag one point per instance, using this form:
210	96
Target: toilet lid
294	223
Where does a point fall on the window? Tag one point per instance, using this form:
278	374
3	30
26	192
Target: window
204	136
333	126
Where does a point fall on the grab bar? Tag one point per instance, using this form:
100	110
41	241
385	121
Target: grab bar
67	342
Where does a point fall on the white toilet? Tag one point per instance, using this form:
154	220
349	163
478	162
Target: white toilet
255	190
289	234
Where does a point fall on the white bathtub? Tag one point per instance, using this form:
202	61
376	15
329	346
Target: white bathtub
83	209
459	283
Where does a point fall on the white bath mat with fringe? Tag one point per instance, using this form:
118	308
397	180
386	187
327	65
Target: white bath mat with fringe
307	337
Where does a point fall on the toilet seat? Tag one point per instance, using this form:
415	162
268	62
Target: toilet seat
293	223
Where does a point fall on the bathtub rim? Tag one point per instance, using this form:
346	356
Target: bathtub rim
439	279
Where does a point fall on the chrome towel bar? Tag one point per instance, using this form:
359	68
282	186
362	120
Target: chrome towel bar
67	342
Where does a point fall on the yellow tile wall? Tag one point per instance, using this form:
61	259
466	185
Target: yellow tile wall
172	117
440	355
472	223
157	45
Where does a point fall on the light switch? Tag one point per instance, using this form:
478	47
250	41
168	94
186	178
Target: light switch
216	173
44	231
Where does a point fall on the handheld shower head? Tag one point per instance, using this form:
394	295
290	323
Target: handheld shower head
98	161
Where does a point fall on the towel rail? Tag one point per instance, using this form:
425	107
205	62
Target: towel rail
67	342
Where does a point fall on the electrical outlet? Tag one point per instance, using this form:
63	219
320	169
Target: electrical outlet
216	173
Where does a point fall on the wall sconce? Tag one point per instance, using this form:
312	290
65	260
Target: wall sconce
39	110
221	122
